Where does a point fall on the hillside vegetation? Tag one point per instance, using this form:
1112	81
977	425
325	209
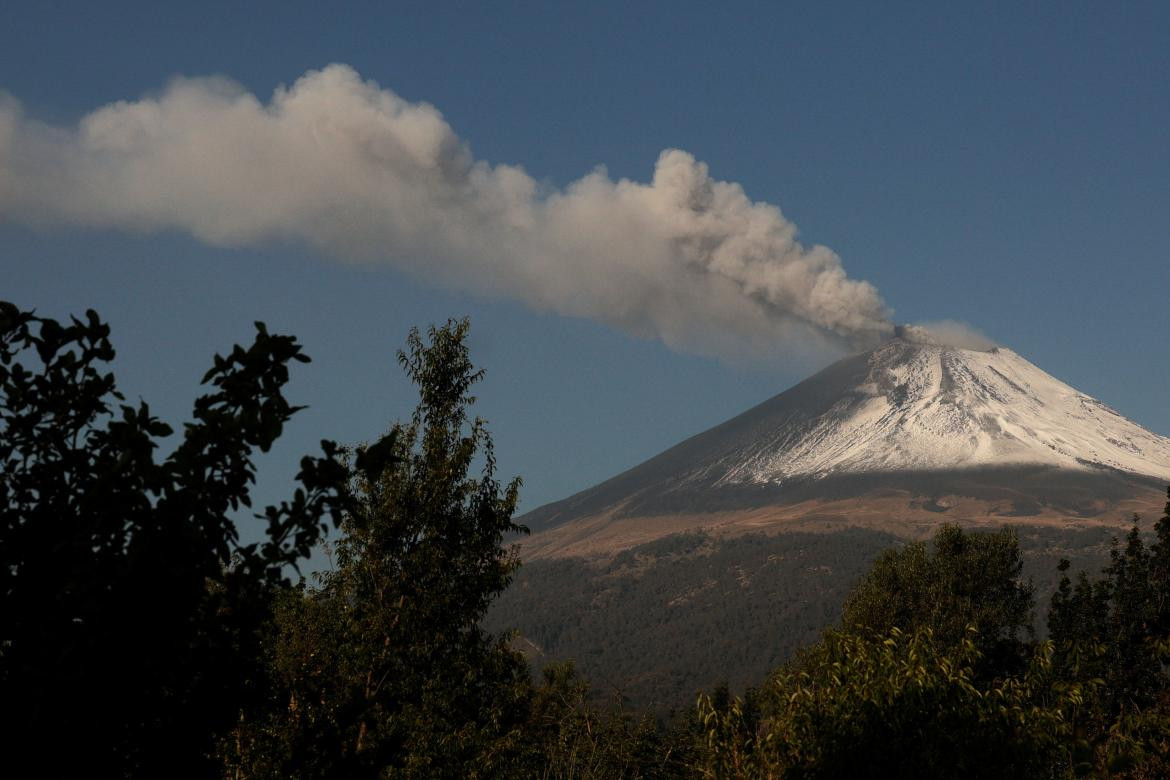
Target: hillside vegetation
730	609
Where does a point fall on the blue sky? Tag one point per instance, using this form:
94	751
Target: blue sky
1002	166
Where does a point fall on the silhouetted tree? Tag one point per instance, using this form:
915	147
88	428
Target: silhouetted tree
1160	572
130	607
1116	629
383	669
963	580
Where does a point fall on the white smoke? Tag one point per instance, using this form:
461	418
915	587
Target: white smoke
358	172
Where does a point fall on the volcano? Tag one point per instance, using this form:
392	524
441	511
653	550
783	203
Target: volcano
899	439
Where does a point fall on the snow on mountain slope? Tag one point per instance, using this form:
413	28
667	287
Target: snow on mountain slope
922	406
908	435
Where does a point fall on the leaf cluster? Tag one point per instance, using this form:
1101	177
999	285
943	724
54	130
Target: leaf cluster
129	605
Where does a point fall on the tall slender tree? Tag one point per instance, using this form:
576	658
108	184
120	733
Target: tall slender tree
383	668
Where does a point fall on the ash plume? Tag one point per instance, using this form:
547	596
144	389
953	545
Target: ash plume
945	333
357	172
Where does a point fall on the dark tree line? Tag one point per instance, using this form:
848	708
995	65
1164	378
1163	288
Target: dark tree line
141	637
1114	630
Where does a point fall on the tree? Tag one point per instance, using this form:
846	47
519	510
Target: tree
902	705
1116	629
567	737
1160	572
927	676
130	607
1105	627
382	669
964	579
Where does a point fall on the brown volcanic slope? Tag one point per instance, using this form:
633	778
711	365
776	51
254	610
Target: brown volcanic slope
897	440
898	508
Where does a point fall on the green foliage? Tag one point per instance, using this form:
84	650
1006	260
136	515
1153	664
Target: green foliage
964	579
129	606
569	738
912	700
383	670
906	705
910	685
1116	628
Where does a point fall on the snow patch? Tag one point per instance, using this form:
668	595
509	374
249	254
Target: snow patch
929	406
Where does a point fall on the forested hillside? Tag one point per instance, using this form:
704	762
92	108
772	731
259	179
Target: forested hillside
729	609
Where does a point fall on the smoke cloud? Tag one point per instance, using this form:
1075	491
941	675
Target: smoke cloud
945	333
361	174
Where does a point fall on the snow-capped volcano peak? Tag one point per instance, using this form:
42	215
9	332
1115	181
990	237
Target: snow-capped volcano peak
917	404
933	425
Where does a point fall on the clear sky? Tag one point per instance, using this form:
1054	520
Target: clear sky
1004	166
